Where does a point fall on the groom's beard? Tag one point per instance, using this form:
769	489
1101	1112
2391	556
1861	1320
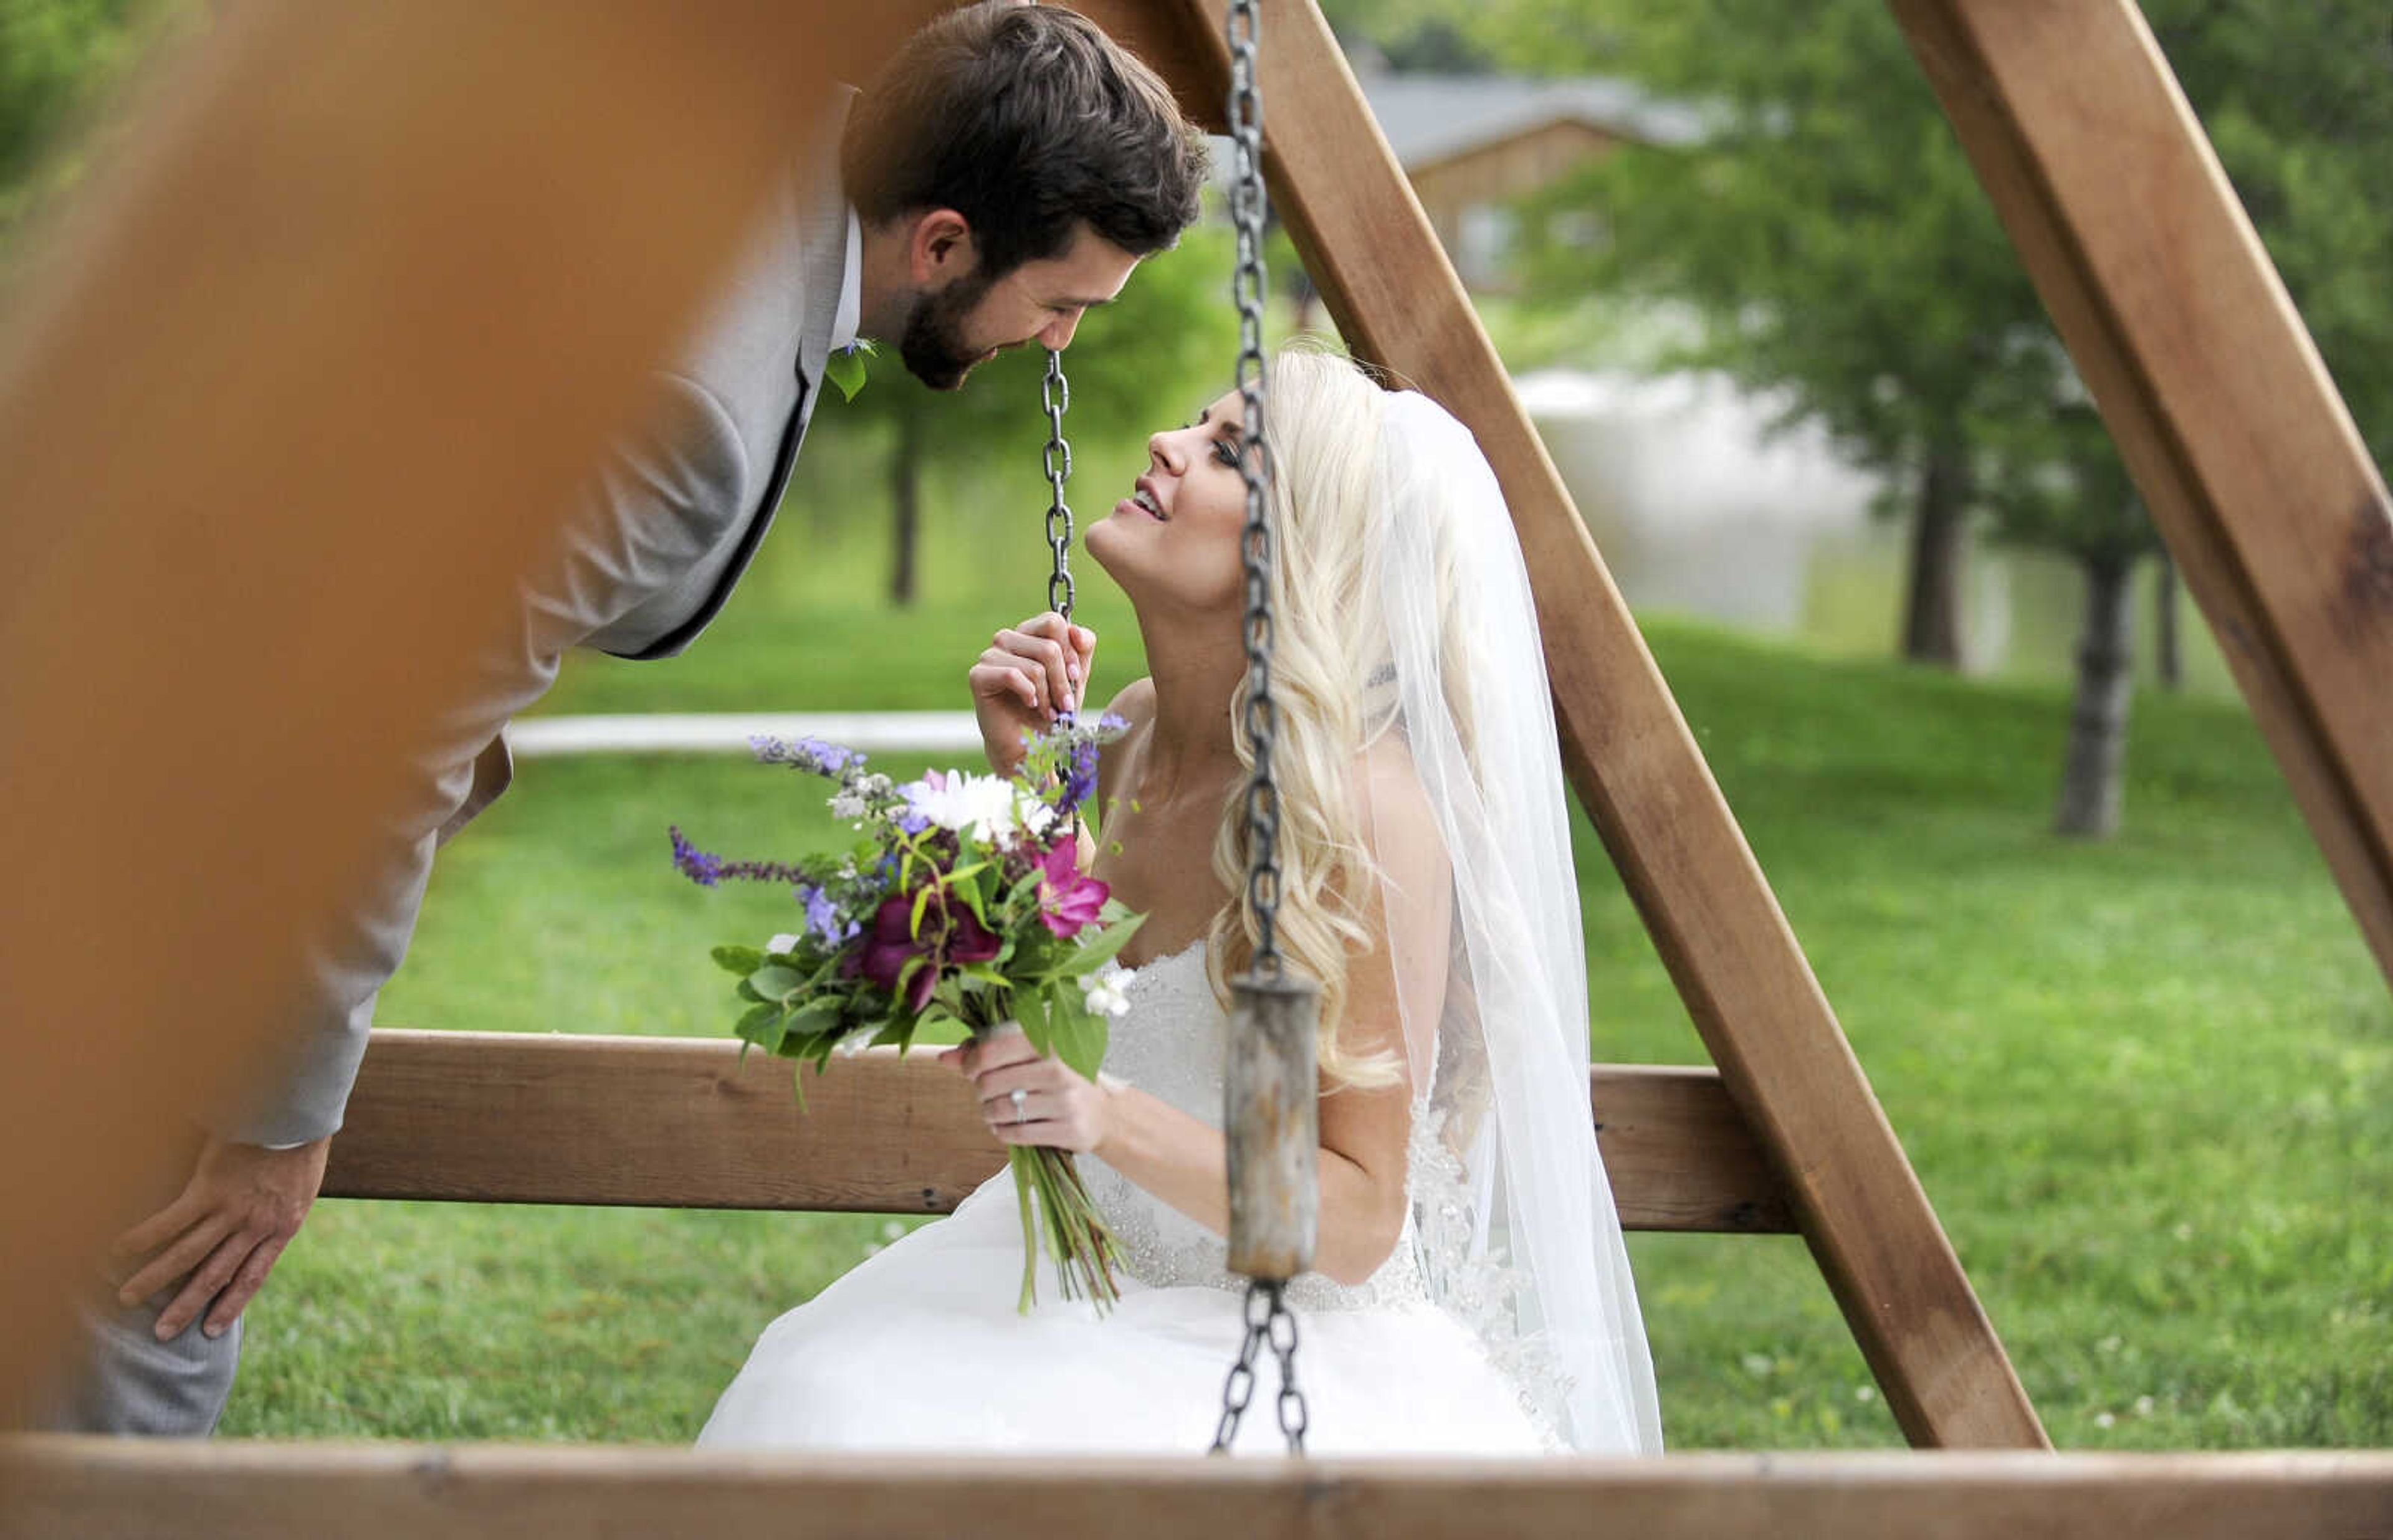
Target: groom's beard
932	346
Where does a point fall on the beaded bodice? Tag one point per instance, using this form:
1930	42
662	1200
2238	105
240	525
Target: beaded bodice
1174	1046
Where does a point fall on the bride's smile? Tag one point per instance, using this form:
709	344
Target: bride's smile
1176	535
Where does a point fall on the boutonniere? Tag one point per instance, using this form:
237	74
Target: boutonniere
845	367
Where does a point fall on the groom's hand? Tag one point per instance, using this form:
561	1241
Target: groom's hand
222	1236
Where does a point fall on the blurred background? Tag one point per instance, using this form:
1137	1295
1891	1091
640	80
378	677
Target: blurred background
1834	455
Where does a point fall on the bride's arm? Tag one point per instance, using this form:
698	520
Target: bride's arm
1182	1160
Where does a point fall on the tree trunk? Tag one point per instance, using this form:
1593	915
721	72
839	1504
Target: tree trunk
1931	618
906	507
2172	662
2090	783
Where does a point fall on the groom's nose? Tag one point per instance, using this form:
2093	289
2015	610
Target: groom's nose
1058	334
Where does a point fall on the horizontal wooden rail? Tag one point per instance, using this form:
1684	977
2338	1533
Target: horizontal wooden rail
54	1486
669	1122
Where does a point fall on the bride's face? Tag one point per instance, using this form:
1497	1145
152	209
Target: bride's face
1175	538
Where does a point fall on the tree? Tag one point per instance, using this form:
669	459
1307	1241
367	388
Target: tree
1829	240
1831	244
1132	363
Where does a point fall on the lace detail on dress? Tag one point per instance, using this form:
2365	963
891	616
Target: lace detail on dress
1172	1045
1481	1291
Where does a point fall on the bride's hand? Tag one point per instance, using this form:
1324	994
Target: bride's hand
1030	674
1059	1107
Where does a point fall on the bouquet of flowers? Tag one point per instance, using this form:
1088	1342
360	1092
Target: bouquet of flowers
964	902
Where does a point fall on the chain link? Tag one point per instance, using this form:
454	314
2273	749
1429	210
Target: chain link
1246	288
1269	1324
1056	391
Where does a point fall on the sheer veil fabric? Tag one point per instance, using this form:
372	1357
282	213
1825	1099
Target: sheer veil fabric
1516	1229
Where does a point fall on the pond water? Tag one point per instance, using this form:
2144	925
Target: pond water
1699	509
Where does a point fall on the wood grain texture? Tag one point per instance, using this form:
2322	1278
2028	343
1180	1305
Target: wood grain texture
1714	920
664	1122
1270	1113
401	1492
325	342
2208	381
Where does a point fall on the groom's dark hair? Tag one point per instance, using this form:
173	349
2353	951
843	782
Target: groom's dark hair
1027	120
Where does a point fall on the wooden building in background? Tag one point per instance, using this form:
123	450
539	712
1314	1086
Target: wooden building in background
1474	146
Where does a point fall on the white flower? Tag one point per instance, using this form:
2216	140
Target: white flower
785	941
1036	815
846	804
1108	990
978	806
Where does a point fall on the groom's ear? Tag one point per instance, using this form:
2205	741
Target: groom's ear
939	248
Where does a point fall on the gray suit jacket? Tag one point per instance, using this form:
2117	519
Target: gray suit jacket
656	546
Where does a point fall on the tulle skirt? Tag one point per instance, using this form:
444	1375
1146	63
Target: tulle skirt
920	1348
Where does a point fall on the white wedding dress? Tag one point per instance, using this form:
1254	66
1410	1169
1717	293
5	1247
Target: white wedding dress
921	1345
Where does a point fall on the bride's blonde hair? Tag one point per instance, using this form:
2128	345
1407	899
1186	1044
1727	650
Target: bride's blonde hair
1325	417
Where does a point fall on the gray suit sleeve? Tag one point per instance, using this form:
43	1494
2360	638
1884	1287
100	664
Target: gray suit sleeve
657	506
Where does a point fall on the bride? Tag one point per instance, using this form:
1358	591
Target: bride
1472	1294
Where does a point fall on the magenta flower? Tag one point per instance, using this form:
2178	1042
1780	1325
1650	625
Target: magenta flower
1067	899
950	936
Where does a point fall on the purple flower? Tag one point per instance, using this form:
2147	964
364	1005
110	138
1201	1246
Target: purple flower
1080	780
805	753
706	871
823	916
693	863
1069	899
949	935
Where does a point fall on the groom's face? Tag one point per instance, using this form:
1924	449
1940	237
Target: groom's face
970	318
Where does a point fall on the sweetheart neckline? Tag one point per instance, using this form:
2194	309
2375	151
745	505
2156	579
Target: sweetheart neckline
1195	946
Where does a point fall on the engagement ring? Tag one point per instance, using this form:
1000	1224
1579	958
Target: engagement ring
1020	1097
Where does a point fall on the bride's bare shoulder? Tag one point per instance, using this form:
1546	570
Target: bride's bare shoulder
1134	702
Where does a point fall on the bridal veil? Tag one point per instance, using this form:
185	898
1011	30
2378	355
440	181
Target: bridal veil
1513	1215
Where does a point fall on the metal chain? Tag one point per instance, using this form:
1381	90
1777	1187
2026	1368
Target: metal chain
1273	1326
1255	466
1057	392
1269	1322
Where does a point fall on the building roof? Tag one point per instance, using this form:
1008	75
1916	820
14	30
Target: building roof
1430	118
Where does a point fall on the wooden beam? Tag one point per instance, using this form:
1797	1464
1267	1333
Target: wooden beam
666	1122
1714	920
243	1490
327	338
2208	381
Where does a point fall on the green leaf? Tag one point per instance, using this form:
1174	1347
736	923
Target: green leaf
814	1018
1093	951
1031	1008
761	1024
738	960
775	982
1077	1034
845	369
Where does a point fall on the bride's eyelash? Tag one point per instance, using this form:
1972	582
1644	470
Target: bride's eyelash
1226	452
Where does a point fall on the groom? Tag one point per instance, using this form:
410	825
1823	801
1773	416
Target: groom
1006	172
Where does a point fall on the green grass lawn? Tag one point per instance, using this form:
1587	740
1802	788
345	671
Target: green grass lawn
2147	1084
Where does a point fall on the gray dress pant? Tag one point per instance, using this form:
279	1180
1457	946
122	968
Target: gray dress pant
130	1382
